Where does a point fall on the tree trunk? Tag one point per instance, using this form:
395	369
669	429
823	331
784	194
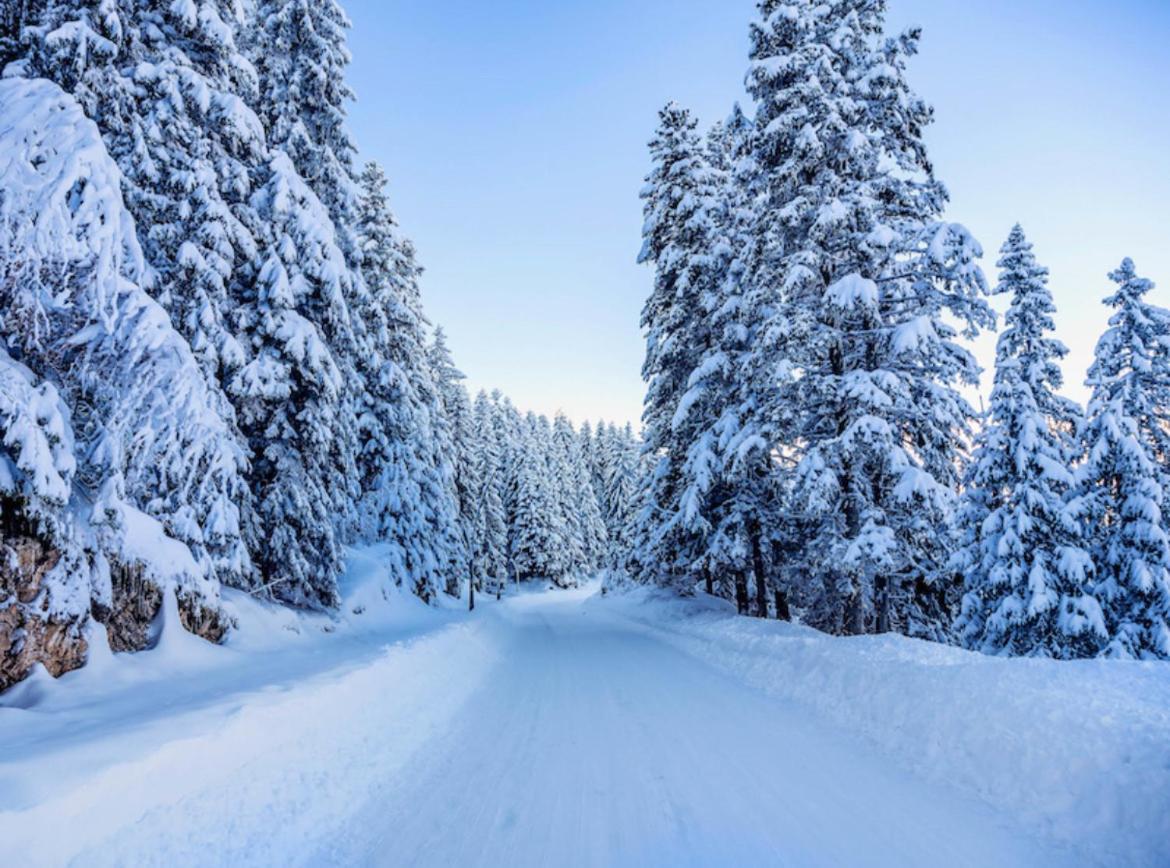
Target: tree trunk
710	581
471	596
761	578
782	611
882	588
741	592
855	615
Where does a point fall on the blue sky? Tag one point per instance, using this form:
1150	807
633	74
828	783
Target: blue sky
514	136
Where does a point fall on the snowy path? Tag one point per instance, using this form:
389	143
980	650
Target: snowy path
593	743
548	730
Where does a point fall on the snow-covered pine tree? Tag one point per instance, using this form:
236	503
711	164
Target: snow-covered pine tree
510	435
489	538
168	89
731	469
299	50
563	482
1120	493
1025	571
300	55
866	290
453	440
678	240
290	394
408	497
146	426
586	528
622	482
539	537
591	455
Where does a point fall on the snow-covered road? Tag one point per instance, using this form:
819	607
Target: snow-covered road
592	743
551	729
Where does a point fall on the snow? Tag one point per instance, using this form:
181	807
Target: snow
570	728
852	291
1077	752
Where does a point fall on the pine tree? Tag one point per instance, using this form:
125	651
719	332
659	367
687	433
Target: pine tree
585	528
300	55
301	59
408	489
622	482
591	449
731	472
1024	567
108	411
489	536
289	395
678	240
1120	490
862	287
539	536
168	89
453	441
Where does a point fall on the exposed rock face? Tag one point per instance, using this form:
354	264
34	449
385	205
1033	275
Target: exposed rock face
203	621
136	603
28	633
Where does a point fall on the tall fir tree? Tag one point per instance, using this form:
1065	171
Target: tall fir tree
408	488
139	425
169	90
539	537
290	394
299	50
864	291
489	537
587	533
621	480
453	433
1025	570
1120	492
678	241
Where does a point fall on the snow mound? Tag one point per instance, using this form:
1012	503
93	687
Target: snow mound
1077	750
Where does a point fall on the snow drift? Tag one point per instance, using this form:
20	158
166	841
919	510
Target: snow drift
1079	750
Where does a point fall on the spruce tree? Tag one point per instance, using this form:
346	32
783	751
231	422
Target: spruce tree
299	51
290	394
408	487
1025	570
586	528
140	426
489	536
622	479
539	537
678	241
453	443
863	291
169	91
1120	493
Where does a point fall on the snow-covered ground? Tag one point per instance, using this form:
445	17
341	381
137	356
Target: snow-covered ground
572	729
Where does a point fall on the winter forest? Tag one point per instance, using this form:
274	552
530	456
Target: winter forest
213	332
230	427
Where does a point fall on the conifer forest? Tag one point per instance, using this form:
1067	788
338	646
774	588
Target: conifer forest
879	577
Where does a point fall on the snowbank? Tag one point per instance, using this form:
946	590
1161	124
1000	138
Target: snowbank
1077	751
67	741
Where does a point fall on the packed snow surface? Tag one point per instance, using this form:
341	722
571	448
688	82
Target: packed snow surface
567	728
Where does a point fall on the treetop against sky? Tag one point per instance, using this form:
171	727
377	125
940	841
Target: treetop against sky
515	134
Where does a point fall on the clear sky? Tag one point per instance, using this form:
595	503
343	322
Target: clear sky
514	134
